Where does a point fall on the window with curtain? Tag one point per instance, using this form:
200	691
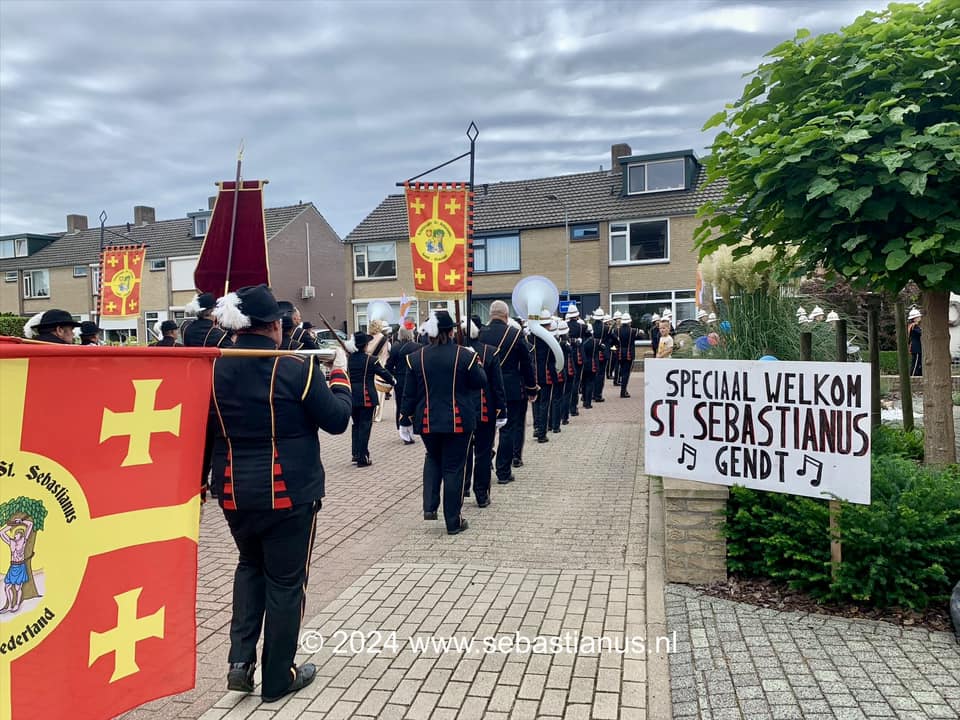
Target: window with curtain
496	253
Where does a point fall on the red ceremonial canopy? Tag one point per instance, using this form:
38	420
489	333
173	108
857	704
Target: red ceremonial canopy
248	263
101	490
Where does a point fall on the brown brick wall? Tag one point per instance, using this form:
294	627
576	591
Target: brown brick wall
288	267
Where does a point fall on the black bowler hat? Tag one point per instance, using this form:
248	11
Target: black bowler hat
168	325
88	327
360	339
56	318
258	303
445	323
204	301
307	325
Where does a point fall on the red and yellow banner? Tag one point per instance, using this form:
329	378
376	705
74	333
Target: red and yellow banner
121	275
99	509
440	219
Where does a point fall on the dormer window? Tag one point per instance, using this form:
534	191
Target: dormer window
200	226
656	176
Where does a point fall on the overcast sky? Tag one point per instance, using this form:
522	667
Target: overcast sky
104	106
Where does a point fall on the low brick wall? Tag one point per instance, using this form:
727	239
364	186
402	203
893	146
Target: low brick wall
696	550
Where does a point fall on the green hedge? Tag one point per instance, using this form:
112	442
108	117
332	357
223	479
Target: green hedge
901	550
12	325
888	362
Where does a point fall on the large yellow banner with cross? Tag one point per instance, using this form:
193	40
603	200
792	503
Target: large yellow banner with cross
121	278
99	517
440	219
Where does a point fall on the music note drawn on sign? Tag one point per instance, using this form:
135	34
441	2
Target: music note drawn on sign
807	461
688	448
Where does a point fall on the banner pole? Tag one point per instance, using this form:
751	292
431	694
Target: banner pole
233	220
472	133
836	545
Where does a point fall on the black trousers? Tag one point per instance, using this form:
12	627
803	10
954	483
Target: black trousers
511	437
268	587
587	388
360	433
445	463
479	458
541	410
521	430
625	366
599	378
397	398
916	364
558	395
573	391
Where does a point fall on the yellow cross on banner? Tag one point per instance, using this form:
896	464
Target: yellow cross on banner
133	304
419	275
136	259
111	306
452	206
417	205
141	423
112	261
122	640
452	277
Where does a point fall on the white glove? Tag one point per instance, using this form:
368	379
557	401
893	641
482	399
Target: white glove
406	433
501	422
339	359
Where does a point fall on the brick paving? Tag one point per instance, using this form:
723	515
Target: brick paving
560	551
738	661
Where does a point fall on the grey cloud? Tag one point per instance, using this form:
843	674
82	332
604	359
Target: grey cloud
108	105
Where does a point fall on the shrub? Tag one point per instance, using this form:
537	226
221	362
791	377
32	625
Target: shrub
888	362
12	325
901	550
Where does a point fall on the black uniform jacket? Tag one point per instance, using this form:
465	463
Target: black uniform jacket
362	368
569	361
397	361
288	343
49	337
439	392
625	337
305	339
544	362
203	333
513	352
600	339
266	412
591	355
492	403
166	342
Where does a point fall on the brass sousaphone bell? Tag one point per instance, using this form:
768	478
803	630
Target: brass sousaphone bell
532	296
379	315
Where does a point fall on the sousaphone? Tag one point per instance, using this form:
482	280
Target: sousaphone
531	296
379	315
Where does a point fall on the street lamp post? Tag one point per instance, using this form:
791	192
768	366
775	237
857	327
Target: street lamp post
566	230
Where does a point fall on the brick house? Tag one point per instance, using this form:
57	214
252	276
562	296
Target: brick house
61	270
628	232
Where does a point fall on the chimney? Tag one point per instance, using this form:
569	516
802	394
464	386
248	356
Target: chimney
616	152
211	201
143	215
76	223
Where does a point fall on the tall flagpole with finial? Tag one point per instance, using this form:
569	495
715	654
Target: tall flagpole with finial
233	220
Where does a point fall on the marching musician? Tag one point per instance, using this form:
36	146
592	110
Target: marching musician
519	384
270	482
576	326
89	333
439	404
626	335
546	379
397	366
52	326
363	368
288	326
169	333
301	332
202	331
602	351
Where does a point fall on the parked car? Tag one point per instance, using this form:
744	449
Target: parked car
326	339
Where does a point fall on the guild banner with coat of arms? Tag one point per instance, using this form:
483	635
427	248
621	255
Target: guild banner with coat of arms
121	277
440	219
99	517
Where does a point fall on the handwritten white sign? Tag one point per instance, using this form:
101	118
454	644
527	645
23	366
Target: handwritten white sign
801	428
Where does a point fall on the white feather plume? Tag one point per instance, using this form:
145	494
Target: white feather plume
513	323
156	329
473	329
432	327
193	306
29	330
227	312
351	345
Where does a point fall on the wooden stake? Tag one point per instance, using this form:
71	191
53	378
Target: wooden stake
836	545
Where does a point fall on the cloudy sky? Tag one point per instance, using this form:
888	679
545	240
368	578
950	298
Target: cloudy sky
104	106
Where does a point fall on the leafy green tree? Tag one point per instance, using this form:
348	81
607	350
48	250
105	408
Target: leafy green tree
20	508
843	152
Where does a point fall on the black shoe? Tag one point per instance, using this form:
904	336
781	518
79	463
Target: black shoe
305	674
542	439
564	422
466	493
463	526
616	384
555	430
598	400
483	503
588	407
364	463
625	394
353	459
502	481
409	442
574	413
240	677
429	516
517	462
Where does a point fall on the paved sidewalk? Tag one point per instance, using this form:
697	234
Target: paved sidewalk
561	552
739	661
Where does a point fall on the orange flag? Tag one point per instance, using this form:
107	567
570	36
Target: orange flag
100	511
121	275
440	219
